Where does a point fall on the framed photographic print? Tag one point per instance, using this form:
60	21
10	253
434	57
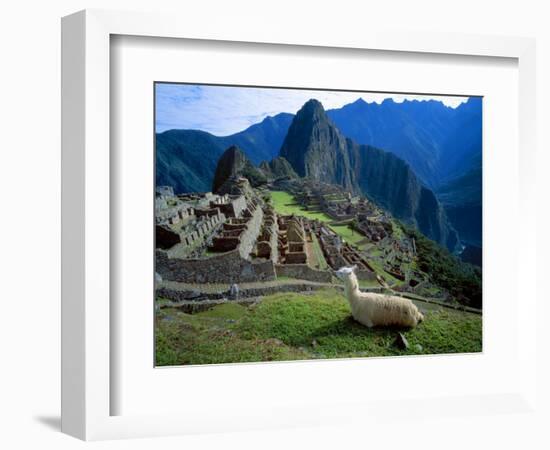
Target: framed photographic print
279	237
257	222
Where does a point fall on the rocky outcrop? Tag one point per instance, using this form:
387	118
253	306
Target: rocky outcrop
277	168
234	164
315	148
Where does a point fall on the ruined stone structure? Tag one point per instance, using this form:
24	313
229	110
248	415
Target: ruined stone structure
165	238
227	267
291	240
230	205
164	191
335	202
303	272
392	251
339	254
374	227
239	232
236	237
266	246
209	238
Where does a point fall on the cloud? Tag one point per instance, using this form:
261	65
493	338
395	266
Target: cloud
224	110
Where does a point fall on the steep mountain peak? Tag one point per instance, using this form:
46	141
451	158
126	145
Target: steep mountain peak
357	107
311	108
235	157
230	163
359	102
233	163
315	148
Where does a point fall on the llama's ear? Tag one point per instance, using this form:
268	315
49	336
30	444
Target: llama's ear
354	267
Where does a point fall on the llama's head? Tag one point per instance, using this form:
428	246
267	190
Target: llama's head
345	273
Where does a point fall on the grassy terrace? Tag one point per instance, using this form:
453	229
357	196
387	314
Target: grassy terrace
320	262
284	203
290	326
349	234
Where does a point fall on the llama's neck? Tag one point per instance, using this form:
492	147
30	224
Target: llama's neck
351	288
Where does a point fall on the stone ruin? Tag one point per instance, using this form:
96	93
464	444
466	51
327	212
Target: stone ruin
334	201
374	227
291	242
338	253
266	245
237	237
211	238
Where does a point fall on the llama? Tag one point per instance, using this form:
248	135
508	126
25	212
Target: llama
372	309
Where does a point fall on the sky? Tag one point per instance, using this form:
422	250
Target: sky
224	110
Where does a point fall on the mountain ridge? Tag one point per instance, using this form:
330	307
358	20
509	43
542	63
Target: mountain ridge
317	149
186	159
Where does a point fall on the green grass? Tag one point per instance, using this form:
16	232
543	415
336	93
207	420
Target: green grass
377	266
289	326
348	234
285	204
397	230
321	261
375	252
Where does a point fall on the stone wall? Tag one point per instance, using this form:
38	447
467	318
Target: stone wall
303	272
173	215
267	240
166	191
165	238
274	239
249	236
231	206
206	300
228	267
295	258
202	230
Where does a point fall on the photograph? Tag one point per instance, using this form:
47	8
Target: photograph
296	224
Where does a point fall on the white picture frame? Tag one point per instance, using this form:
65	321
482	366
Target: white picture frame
86	216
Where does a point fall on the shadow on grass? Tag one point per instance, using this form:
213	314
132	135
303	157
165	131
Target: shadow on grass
347	330
349	326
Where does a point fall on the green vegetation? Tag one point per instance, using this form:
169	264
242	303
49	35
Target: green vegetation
461	279
349	234
379	269
285	204
397	230
291	326
256	177
321	262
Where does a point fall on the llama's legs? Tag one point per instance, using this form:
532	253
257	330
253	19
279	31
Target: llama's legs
365	321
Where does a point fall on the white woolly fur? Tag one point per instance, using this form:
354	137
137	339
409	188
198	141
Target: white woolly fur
371	309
